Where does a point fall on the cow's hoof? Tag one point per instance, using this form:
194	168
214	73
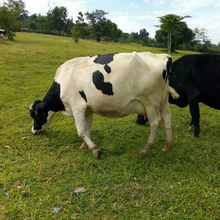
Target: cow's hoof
195	136
96	153
192	128
145	150
84	146
166	149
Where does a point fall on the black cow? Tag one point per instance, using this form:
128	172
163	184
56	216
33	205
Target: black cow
196	78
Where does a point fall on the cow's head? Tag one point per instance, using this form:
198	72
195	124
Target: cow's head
176	81
42	117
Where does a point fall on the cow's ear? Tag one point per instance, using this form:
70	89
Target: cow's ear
192	94
36	102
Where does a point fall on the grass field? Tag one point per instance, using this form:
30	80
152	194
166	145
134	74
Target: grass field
40	173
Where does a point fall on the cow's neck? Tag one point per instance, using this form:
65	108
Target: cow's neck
52	101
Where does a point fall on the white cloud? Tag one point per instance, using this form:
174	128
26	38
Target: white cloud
36	7
125	22
217	3
128	23
209	22
190	5
144	17
133	5
159	2
42	6
73	7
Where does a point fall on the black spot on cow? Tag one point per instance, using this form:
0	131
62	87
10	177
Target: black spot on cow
98	80
105	59
164	74
169	64
52	101
82	93
107	68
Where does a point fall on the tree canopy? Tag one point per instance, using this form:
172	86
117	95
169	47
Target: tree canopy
171	25
12	13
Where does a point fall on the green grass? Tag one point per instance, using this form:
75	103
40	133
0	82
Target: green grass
42	172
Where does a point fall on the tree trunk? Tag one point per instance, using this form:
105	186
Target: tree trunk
169	42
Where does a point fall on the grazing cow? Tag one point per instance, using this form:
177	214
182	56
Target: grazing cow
2	35
112	85
196	78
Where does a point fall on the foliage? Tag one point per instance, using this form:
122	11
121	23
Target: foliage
12	14
171	25
100	27
57	19
75	34
40	173
82	26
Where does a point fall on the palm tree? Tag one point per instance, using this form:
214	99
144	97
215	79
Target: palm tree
171	23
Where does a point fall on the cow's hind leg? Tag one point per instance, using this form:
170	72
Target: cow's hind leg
192	126
154	119
84	131
194	111
166	119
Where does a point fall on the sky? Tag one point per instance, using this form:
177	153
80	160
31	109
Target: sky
133	15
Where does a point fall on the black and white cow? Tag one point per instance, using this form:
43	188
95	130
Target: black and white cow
196	78
2	35
112	85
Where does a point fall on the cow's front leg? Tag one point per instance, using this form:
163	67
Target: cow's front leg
154	119
88	129
83	130
194	111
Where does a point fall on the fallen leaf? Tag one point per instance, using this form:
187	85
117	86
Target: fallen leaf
74	216
24	138
79	190
7	146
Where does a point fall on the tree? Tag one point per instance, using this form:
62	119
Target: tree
57	19
97	21
33	25
96	16
75	34
182	35
80	18
200	35
82	26
41	22
201	41
134	37
171	24
143	36
11	15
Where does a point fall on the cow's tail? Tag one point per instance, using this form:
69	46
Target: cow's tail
173	93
